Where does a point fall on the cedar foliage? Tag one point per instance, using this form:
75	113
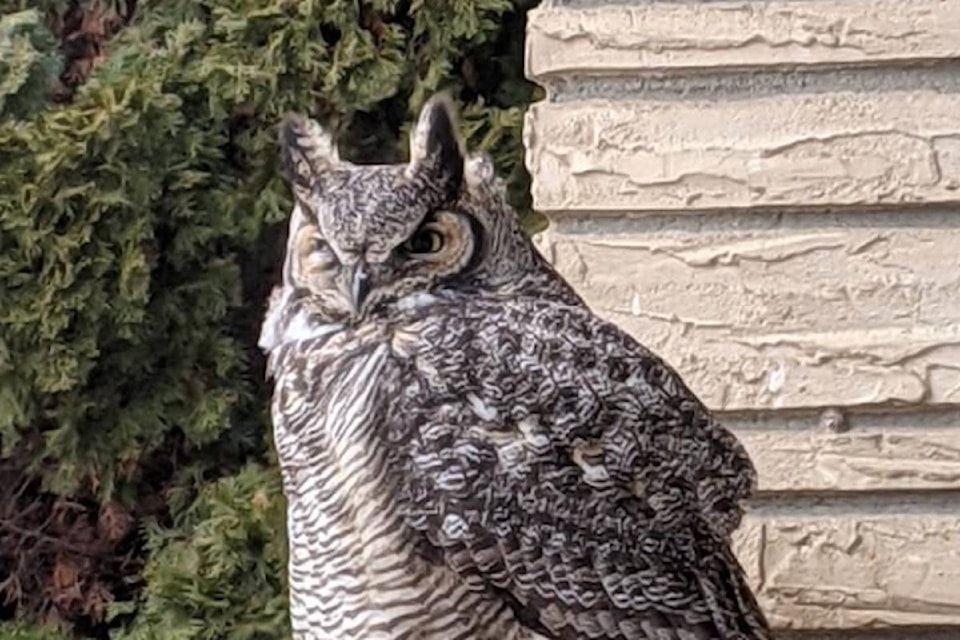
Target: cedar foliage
141	223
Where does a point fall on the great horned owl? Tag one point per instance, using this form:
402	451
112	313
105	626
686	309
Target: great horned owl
467	451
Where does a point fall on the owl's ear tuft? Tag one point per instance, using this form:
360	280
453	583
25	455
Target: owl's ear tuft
435	145
308	151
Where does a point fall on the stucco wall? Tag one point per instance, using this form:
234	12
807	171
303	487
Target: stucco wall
766	193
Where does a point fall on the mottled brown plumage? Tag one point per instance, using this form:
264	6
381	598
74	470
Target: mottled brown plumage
467	450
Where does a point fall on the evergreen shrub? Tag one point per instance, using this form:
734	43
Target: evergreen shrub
141	221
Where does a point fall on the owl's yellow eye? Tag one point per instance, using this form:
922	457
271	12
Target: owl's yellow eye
424	241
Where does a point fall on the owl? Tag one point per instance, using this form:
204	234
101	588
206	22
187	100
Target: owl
467	451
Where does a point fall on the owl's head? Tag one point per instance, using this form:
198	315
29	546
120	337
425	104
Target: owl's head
363	238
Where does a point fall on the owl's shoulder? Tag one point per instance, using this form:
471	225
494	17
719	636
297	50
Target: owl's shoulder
587	387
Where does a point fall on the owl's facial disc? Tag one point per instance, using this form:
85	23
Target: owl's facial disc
365	237
339	283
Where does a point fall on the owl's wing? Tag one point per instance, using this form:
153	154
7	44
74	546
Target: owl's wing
565	467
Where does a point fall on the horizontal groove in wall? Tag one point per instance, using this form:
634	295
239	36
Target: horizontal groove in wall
854	420
743	84
900	633
873	504
925	216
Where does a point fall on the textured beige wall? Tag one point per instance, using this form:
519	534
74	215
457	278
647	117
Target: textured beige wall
768	194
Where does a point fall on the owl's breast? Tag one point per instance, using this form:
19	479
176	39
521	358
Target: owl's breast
355	566
328	392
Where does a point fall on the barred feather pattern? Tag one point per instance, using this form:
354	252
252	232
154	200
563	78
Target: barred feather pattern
468	452
354	568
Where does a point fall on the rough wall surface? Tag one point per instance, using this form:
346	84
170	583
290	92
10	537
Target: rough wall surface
768	194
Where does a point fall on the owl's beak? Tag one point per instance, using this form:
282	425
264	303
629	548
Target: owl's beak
355	285
361	285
